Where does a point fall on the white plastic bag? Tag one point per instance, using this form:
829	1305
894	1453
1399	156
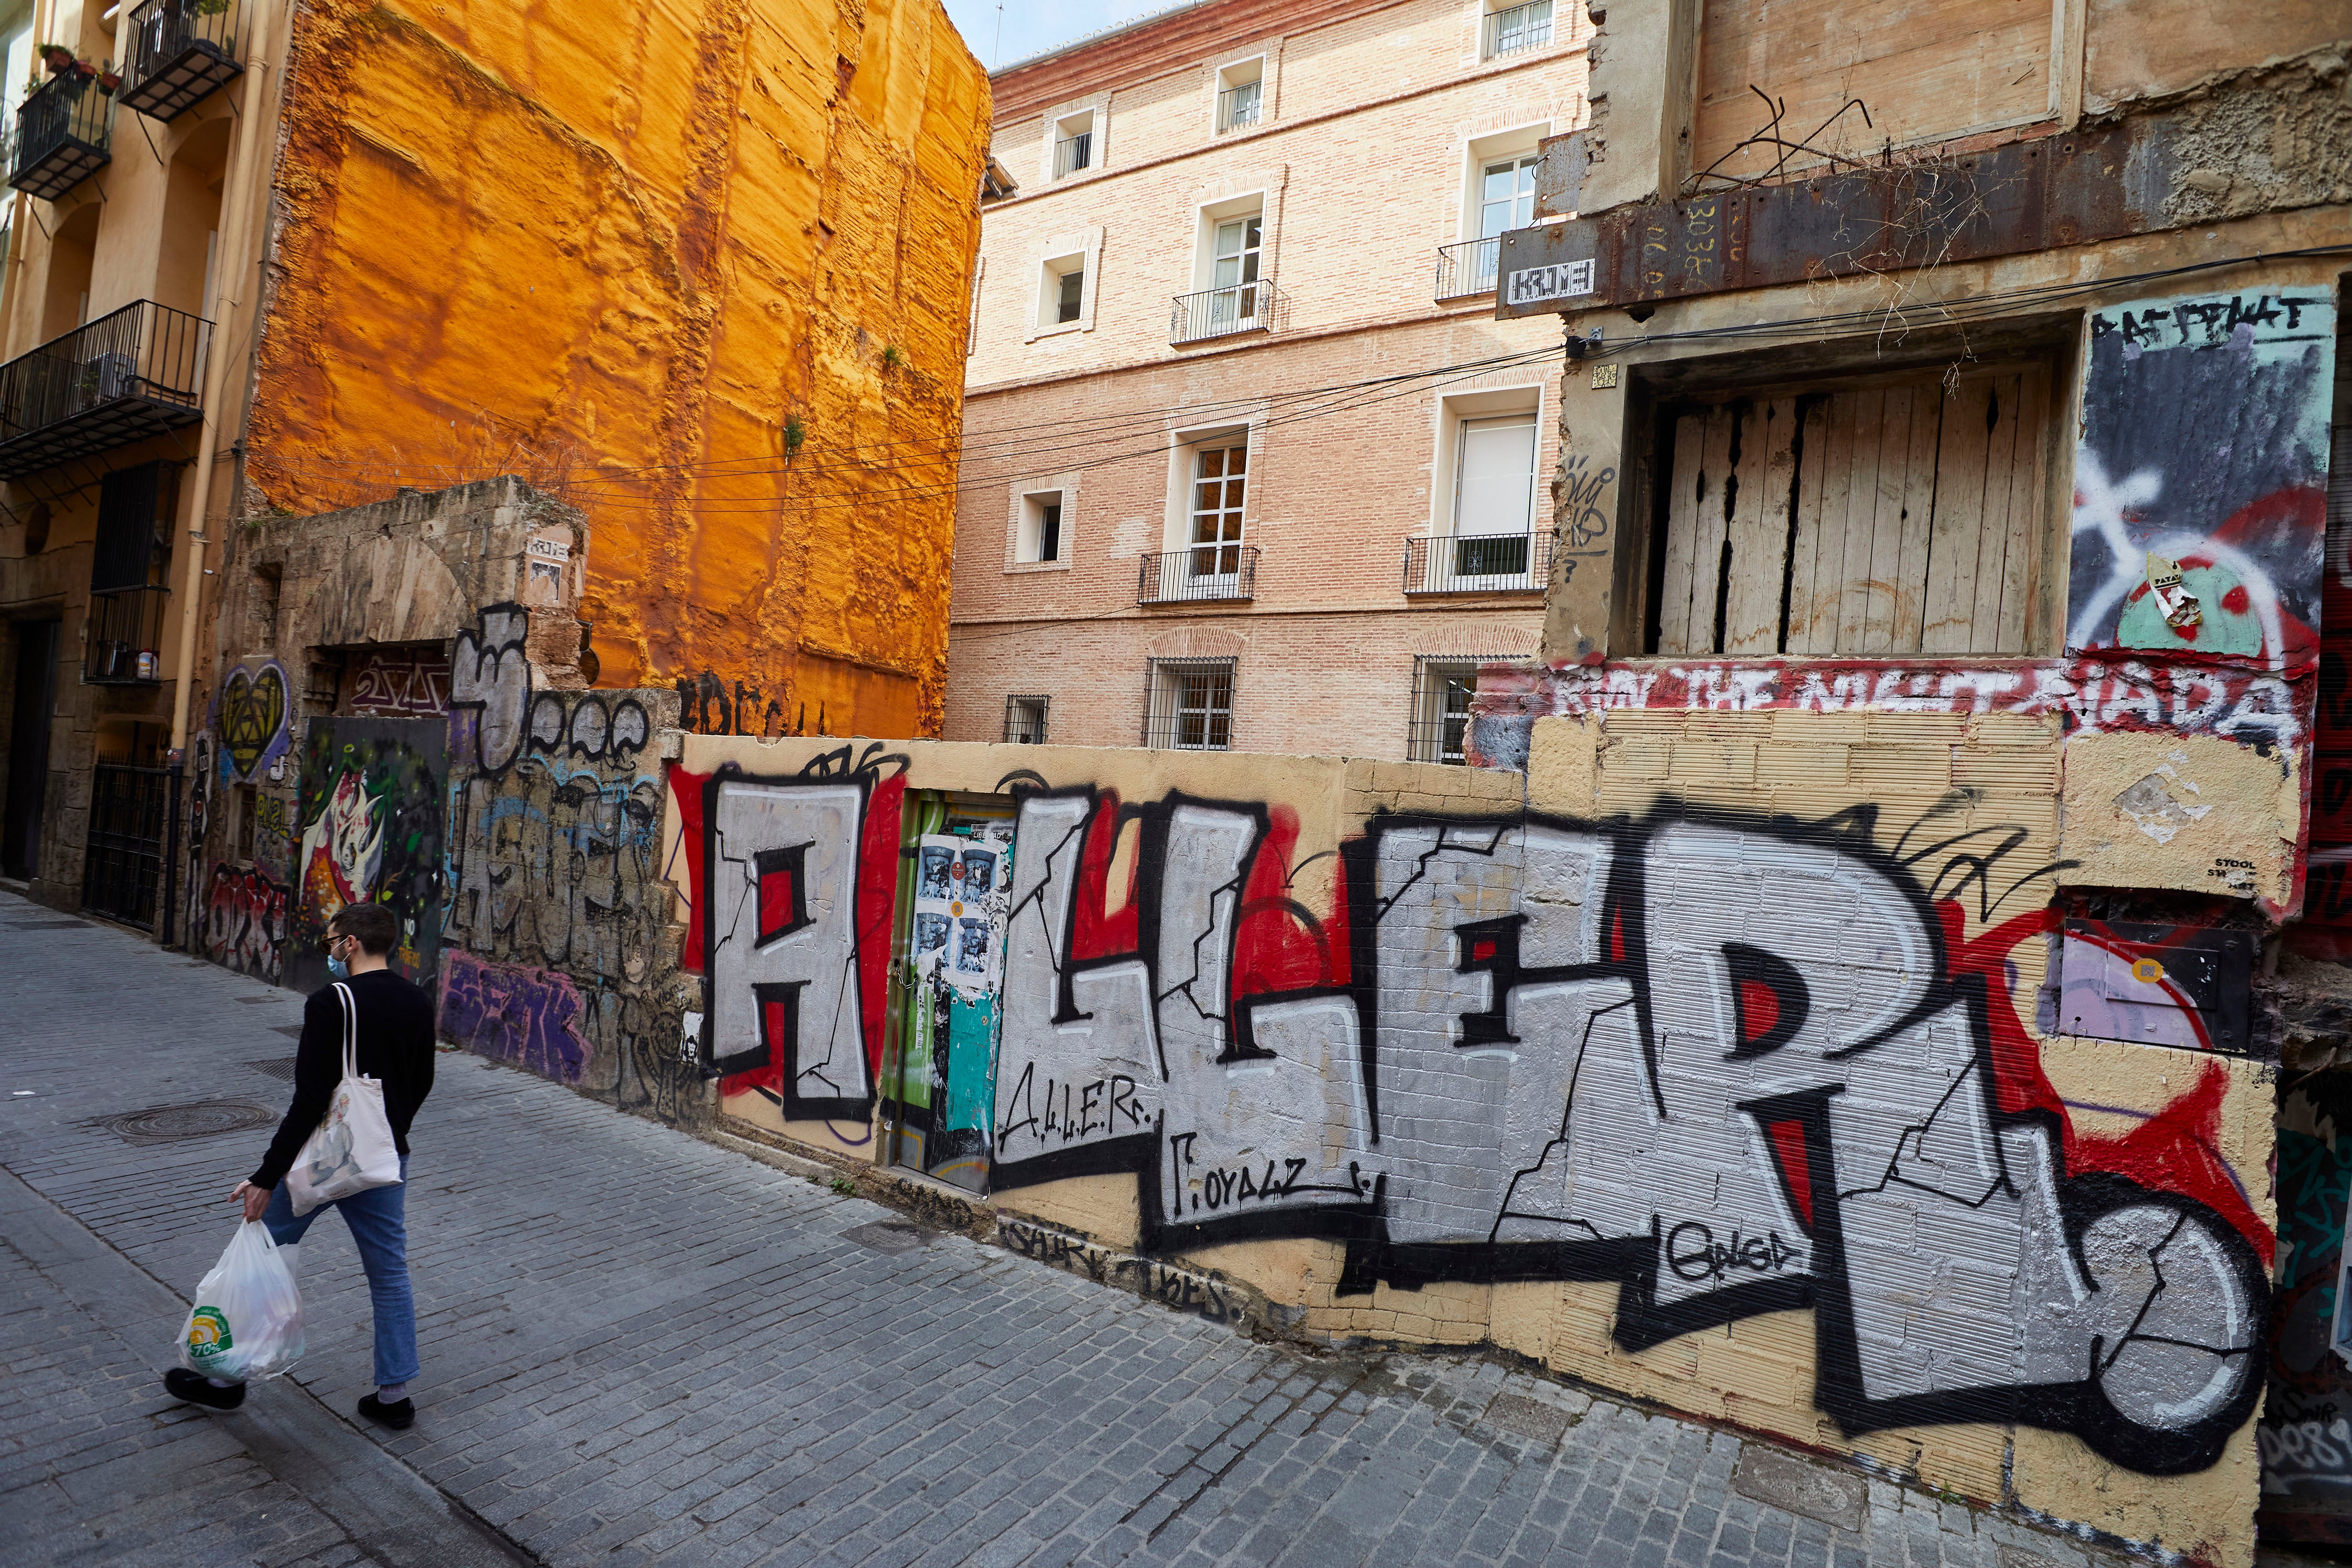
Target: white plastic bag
246	1324
353	1149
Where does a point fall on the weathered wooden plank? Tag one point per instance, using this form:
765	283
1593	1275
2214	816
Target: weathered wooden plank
1957	535
1682	527
1759	530
1930	408
1866	423
1888	582
1707	538
2000	419
2021	578
1804	567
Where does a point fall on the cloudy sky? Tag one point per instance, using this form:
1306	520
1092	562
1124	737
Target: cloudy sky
1033	26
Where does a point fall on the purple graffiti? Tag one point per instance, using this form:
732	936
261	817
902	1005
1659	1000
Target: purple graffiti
517	1015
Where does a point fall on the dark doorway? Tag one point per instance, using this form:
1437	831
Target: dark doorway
35	694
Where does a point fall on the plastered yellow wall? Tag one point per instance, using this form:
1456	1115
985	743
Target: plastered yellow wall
622	250
1935	792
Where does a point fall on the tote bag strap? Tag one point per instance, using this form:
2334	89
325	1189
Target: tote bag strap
351	1030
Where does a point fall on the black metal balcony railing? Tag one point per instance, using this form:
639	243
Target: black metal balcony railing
180	53
62	137
1221	312
124	858
1466	268
1072	153
122	646
136	373
1238	106
1201	573
1521	28
1477	563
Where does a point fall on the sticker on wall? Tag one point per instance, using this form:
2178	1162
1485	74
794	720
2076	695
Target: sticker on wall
2201	477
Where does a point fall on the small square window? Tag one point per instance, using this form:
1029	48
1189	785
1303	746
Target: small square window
1508	29
1190	705
1240	95
1062	298
1442	691
1024	720
1040	536
1074	143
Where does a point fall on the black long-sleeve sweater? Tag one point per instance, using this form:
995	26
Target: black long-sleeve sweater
396	1045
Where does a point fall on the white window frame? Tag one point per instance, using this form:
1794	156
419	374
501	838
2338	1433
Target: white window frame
1426	736
1240	73
1020	541
1030	711
1087	122
1208	218
1183	470
1560	23
1029	544
1456	413
1514	143
1164	710
1059	254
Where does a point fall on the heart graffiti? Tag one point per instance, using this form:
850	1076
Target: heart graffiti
252	717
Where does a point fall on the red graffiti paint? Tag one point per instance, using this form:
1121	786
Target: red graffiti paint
1760	1009
1279	943
770	1076
2177	1150
1796	1167
877	900
686	788
1096	931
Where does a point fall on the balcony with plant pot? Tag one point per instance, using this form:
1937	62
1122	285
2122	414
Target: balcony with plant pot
180	53
136	373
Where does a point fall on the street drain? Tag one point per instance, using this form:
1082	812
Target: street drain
276	1067
891	1236
180	1123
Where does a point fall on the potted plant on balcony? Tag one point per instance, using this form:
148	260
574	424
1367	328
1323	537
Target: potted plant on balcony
57	58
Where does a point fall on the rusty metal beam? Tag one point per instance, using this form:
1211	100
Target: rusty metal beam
2027	195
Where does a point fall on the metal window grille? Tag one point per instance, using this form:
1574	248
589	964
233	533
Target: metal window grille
1521	28
1442	691
1191	705
1024	720
1240	106
1072	153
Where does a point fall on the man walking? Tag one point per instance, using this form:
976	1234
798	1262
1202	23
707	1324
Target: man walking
395	1047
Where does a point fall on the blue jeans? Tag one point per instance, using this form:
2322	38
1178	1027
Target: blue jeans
378	1218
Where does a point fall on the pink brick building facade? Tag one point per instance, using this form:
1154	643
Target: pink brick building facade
1248	462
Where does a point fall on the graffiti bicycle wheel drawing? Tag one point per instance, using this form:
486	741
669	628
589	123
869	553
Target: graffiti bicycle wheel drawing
371	812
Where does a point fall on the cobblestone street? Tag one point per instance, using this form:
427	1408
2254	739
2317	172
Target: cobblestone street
640	1348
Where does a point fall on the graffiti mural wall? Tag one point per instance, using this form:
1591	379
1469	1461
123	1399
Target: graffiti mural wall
2200	480
2307	1430
556	950
1708	1079
369	831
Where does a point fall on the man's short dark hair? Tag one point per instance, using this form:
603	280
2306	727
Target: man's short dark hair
376	928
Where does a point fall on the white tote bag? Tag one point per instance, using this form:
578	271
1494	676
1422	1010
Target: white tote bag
353	1149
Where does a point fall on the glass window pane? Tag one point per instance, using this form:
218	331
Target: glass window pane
1236	459
1212	462
1233	492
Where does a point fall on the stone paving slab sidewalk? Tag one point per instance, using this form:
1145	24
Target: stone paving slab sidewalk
641	1348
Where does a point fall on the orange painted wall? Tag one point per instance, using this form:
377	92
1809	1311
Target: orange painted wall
615	247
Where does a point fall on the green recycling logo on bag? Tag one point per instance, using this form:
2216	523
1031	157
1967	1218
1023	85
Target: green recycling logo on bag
208	1333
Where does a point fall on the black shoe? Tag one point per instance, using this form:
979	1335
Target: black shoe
194	1388
399	1417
